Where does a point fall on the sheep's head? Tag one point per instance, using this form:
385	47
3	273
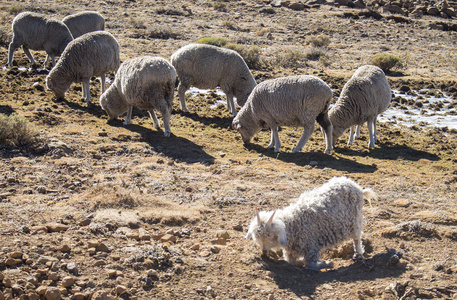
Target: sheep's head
337	132
58	89
267	231
247	131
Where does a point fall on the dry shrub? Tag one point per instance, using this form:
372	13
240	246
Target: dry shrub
250	54
5	38
170	11
220	6
161	32
213	40
16	131
386	61
315	53
105	196
321	40
292	58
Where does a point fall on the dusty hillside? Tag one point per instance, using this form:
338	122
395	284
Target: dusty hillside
106	211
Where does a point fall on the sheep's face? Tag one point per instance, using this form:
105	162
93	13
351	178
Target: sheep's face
58	89
337	132
247	132
267	233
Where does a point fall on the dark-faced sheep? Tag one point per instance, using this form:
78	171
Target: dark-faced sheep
297	100
35	31
92	54
145	82
207	67
321	218
363	98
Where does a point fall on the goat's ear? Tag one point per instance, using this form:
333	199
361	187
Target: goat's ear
282	238
270	220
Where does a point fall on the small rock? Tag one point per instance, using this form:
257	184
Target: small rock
102	247
92	244
15	254
102	295
63	248
238	227
7	282
168	238
120	289
79	296
205	253
53	276
56	227
99	263
53	293
41	290
153	273
68	281
215	249
72	268
12	261
223	234
195	247
219	241
144	235
111	272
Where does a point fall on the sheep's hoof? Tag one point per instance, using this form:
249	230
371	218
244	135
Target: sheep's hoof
295	150
357	257
167	133
327	151
127	123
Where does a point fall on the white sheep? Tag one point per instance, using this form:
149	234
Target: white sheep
37	32
84	22
207	67
145	82
321	218
292	101
363	97
92	54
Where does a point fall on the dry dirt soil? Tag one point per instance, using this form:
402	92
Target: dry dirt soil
106	211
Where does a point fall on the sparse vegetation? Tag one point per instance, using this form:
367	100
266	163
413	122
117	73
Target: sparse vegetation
315	53
16	131
215	41
14	10
386	61
170	11
251	54
220	6
321	40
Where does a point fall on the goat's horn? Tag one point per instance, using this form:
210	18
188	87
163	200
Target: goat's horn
258	216
270	220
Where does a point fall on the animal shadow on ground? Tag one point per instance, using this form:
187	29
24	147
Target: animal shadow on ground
304	282
217	122
390	151
6	109
174	147
315	159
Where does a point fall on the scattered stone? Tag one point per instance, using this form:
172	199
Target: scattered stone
79	296
68	281
195	247
99	263
168	238
144	235
72	268
102	247
63	248
402	202
219	241
53	276
120	289
238	227
215	249
152	273
102	295
112	273
12	261
56	227
205	253
92	244
52	293
15	254
223	234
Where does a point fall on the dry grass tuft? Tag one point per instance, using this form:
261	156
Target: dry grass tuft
105	196
17	131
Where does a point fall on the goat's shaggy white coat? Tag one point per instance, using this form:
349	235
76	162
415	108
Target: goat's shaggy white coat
145	82
321	218
207	67
38	32
297	100
363	97
83	22
92	54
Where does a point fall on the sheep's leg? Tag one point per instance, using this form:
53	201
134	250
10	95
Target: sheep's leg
327	129
182	96
11	49
166	115
46	61
308	131
272	141
231	104
29	55
357	131
374	128
371	133
86	91
358	249
275	137
102	82
351	135
128	116
155	121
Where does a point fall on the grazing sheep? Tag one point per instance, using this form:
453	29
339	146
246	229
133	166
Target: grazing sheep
38	32
321	218
84	22
207	67
92	54
292	101
363	97
145	82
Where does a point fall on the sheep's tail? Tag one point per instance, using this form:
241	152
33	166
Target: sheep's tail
369	194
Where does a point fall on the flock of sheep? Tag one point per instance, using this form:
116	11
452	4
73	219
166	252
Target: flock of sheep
322	217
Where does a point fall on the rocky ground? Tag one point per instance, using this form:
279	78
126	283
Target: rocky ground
106	211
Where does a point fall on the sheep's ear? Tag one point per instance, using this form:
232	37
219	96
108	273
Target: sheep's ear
282	239
270	220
